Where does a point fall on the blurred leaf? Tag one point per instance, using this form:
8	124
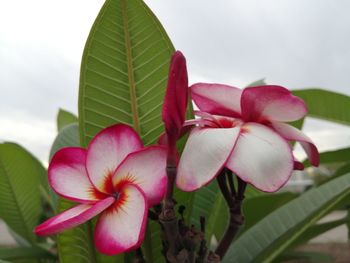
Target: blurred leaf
24	253
326	105
20	204
19	240
123	77
259	82
256	208
309	256
67	137
271	236
337	156
65	118
317	230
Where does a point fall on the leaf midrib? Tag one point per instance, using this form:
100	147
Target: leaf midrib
132	84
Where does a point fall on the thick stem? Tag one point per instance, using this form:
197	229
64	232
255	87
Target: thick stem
168	218
236	221
234	202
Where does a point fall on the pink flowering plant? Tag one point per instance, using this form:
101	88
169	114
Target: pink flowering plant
157	170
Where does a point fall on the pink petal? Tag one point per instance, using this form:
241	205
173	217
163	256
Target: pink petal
145	168
68	176
271	103
262	158
217	99
72	217
121	228
106	151
205	154
176	97
291	133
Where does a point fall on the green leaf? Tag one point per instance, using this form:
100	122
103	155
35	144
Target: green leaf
326	105
259	82
317	230
256	208
24	253
124	72
270	237
68	136
20	204
19	240
337	156
65	118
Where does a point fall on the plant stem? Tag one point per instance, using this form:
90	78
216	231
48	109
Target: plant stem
168	218
234	201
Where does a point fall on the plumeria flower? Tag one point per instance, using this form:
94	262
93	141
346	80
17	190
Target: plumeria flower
115	178
244	131
175	104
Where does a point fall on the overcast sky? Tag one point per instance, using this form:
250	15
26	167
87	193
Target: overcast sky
294	43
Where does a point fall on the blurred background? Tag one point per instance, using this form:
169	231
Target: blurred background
294	43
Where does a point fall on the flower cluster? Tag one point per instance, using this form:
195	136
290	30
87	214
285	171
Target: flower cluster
118	179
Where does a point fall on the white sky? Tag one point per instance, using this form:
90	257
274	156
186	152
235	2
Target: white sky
294	43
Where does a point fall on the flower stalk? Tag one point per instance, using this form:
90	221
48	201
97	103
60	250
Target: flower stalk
234	200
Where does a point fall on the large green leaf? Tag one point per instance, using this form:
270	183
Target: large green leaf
123	77
20	179
326	105
256	208
270	237
124	71
65	118
317	230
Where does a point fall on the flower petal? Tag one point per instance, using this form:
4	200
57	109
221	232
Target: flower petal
107	150
176	97
121	228
205	153
145	168
68	176
291	133
72	217
217	99
272	103
261	157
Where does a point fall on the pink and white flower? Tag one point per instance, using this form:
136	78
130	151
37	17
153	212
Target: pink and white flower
243	130
115	178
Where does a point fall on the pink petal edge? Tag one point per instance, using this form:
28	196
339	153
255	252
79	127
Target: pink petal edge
217	99
271	103
68	177
72	217
293	134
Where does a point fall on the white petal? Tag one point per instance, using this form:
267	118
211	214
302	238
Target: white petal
261	157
